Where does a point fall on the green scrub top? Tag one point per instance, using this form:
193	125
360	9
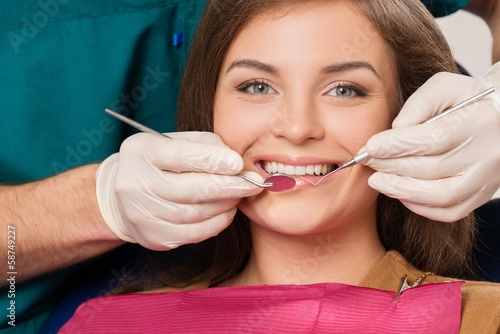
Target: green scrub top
62	63
440	8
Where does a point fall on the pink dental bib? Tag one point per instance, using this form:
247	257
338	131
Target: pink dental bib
317	308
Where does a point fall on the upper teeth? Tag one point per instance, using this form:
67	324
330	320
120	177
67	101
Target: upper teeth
272	167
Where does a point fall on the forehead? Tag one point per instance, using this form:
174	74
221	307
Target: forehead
320	31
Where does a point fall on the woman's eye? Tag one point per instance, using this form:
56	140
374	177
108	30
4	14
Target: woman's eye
258	88
344	90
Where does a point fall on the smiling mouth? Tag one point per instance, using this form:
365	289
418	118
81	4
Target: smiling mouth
272	167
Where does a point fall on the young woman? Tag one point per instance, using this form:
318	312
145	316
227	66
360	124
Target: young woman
299	87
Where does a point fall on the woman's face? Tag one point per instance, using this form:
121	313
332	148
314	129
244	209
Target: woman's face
301	90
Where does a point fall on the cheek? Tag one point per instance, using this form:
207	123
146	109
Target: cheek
224	122
353	128
371	126
238	124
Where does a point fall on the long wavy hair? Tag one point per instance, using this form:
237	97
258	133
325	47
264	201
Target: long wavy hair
419	50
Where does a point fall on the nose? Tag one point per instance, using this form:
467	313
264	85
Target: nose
297	120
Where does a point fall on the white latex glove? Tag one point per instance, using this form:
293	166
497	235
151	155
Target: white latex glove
163	193
445	169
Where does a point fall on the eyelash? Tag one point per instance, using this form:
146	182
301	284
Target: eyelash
360	91
254	82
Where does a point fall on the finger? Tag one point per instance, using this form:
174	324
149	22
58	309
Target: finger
426	139
184	155
437	94
426	167
153	230
192	187
151	206
199	188
452	213
193	201
432	193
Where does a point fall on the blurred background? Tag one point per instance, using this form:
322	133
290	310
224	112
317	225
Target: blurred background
470	40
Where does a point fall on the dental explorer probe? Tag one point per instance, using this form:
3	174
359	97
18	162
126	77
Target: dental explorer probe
280	182
364	155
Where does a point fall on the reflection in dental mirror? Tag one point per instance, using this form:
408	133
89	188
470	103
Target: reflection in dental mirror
280	182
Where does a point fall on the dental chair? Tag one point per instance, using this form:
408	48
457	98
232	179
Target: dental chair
487	252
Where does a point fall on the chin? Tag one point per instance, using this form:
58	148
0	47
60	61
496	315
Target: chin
308	212
291	219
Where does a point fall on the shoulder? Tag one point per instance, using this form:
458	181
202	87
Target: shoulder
481	307
480	300
484	291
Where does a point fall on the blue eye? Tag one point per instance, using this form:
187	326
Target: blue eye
260	89
342	91
256	87
347	90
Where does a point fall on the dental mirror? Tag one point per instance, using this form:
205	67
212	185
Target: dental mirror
281	182
274	182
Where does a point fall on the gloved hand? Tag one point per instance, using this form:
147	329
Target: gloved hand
445	169
164	193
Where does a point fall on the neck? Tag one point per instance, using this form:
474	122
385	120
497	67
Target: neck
342	255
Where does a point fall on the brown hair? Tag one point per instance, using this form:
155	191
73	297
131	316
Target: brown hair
419	50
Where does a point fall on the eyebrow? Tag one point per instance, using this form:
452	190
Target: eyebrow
334	68
347	66
254	64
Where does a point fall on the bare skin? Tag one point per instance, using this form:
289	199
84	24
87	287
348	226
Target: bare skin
56	222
